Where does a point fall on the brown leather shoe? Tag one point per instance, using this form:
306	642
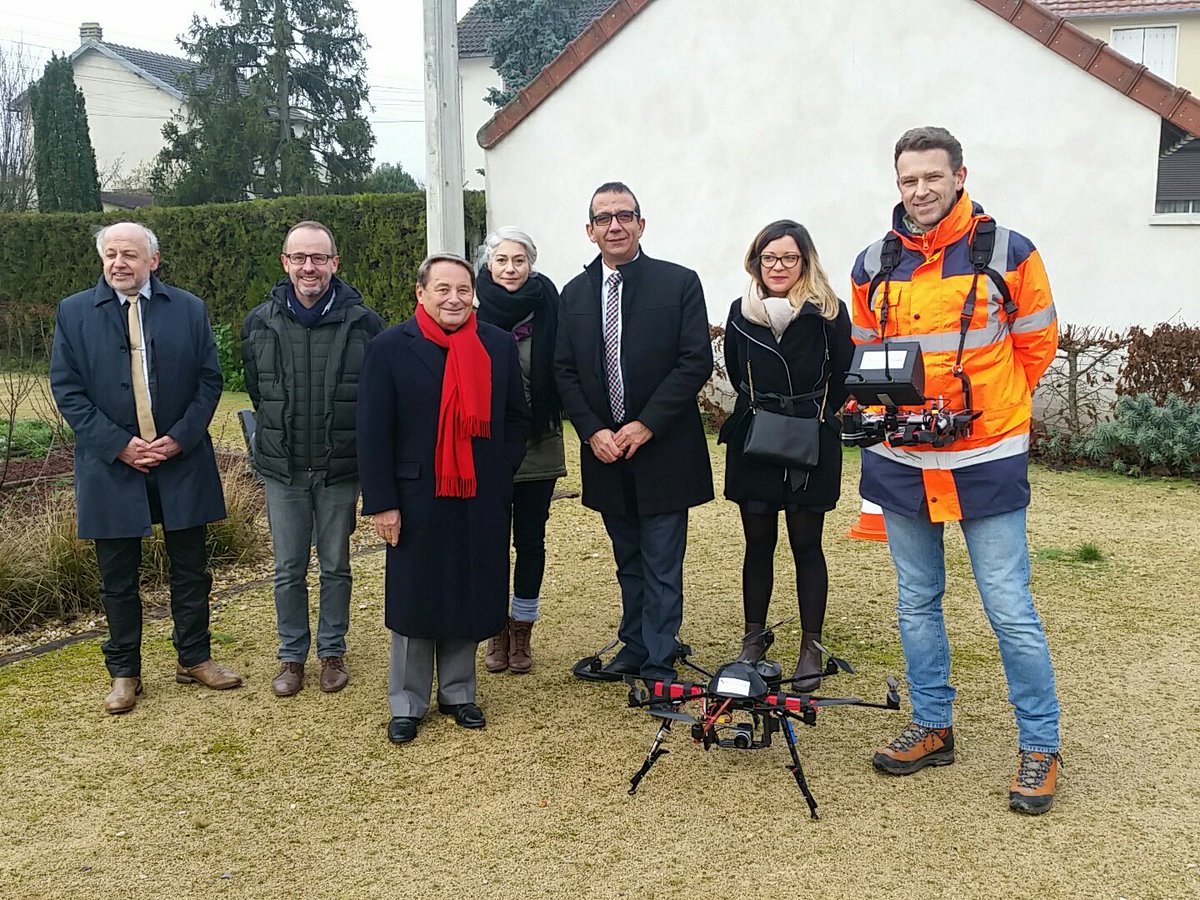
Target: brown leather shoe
289	680
334	675
123	696
209	674
496	658
520	660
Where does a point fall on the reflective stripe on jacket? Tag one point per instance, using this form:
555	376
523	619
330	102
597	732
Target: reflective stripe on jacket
985	473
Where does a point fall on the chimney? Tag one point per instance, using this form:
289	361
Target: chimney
90	32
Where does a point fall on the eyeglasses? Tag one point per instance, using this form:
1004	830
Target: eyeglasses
604	219
789	260
318	259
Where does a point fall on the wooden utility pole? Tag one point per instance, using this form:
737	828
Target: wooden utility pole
445	229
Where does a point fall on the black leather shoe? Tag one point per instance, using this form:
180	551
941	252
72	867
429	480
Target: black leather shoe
468	715
402	729
613	670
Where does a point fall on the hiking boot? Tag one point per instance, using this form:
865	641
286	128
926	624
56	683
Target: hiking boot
809	665
290	679
754	643
1032	788
520	660
915	748
496	659
334	675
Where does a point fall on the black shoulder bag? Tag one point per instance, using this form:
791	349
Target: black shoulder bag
784	440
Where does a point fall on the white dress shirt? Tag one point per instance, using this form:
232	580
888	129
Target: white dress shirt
144	293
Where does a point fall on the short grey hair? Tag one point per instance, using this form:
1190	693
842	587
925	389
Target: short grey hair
444	256
506	233
102	233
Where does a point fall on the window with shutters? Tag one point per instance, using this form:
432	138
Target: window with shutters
1178	172
1152	47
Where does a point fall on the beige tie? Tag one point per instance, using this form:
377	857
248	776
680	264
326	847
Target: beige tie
141	390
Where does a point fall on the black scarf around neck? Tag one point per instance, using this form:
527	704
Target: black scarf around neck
507	309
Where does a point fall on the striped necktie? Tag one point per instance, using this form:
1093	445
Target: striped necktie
612	347
141	390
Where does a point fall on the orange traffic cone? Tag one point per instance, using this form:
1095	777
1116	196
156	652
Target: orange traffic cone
869	526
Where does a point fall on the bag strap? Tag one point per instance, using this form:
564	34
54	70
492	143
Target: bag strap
750	378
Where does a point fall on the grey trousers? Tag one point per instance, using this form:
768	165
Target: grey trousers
410	673
301	514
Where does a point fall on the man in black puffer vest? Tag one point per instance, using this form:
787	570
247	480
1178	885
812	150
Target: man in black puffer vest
303	350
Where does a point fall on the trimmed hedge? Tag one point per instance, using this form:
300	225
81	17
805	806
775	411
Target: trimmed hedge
228	254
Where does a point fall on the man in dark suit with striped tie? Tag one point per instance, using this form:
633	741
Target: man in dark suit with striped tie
632	353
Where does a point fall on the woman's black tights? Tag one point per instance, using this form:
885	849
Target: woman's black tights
758	568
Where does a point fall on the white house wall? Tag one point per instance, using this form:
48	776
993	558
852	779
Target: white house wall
723	117
475	75
126	113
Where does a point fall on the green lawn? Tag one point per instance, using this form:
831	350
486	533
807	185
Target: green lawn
201	794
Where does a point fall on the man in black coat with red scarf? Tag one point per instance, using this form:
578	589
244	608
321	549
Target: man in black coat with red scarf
632	353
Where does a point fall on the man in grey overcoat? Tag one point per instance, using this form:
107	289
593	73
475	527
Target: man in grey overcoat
134	372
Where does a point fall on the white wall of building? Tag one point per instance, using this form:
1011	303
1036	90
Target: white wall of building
126	113
784	109
475	76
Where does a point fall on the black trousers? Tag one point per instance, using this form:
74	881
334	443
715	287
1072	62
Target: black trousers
119	560
530	510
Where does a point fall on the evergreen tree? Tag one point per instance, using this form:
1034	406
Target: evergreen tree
531	33
390	179
275	105
64	163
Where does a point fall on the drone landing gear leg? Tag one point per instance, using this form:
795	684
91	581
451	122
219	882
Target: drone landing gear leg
656	750
797	770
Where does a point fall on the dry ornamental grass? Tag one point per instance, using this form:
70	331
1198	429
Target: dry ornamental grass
240	794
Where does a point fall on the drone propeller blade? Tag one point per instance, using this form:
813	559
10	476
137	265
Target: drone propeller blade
609	646
837	662
788	621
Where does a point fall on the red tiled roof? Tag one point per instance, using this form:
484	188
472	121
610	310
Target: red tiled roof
1093	55
1072	8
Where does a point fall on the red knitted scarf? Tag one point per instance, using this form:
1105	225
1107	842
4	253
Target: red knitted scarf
466	408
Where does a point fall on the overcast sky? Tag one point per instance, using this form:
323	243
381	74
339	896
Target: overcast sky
393	29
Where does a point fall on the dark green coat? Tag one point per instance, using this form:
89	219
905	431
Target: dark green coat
303	383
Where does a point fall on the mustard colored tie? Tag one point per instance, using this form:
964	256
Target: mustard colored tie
141	390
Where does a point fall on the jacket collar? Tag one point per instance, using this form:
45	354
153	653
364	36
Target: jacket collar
344	294
104	291
959	222
630	271
429	353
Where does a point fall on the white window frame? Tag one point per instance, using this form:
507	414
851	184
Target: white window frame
1172	25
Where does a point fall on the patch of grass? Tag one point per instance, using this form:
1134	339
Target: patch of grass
1087	552
30	437
227	744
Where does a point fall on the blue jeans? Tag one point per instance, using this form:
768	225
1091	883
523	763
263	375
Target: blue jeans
301	514
1000	563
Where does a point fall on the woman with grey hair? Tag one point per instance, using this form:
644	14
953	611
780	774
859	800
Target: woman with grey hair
514	297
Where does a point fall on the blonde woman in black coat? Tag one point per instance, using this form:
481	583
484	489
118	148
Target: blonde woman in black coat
790	336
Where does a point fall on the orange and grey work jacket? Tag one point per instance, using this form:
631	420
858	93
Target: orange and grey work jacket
985	473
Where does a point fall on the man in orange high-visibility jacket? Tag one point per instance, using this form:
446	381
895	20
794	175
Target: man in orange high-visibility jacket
923	272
